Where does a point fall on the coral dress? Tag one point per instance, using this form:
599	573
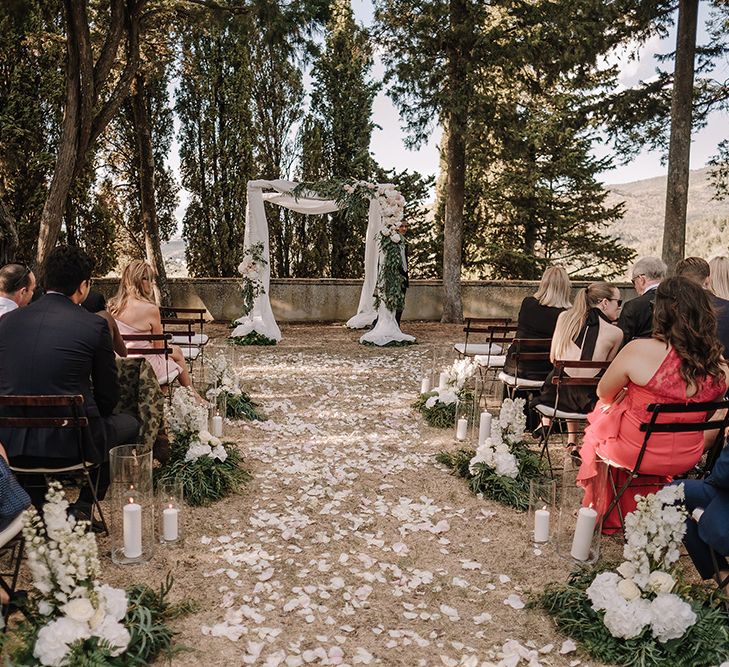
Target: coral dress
163	369
614	432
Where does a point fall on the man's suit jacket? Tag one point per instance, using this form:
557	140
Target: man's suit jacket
714	523
636	317
53	346
722	321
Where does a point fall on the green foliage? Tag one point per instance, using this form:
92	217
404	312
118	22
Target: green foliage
242	405
148	613
205	480
251	283
392	343
253	338
390	279
705	643
441	415
505	490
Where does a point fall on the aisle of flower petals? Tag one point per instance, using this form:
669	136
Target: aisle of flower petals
352	547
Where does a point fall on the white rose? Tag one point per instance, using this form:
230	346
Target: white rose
627	569
79	609
115	600
395	237
51	645
628	590
660	582
205	437
115	633
385	231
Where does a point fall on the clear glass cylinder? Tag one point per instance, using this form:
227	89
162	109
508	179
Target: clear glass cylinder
466	421
171	512
216	414
542	509
579	528
132	504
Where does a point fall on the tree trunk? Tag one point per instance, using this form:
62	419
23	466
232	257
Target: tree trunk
8	235
457	120
674	229
147	197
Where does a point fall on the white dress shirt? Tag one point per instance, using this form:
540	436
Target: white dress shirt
6	305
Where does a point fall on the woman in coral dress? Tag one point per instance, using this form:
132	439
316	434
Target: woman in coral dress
681	363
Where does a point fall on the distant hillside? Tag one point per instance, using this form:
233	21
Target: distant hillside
645	201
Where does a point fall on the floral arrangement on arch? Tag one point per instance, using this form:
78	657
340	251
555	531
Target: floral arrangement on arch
208	468
439	405
251	270
643	606
503	465
71	617
226	384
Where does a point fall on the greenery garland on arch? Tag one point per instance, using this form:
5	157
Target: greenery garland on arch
353	198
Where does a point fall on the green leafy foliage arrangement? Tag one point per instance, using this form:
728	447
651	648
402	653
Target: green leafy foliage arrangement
253	338
251	270
440	415
705	643
241	405
390	280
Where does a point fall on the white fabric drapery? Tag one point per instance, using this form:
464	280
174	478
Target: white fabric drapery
261	319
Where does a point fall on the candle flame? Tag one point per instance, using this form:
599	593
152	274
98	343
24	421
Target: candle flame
131	500
590	506
544	508
171	507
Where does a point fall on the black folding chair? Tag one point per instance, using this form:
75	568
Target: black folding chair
74	419
560	379
477	326
187	326
654	426
529	350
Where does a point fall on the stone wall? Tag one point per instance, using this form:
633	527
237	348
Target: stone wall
336	300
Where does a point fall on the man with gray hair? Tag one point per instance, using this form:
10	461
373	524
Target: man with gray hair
17	284
636	318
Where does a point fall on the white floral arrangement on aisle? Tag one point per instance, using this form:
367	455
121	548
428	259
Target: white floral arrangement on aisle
188	420
640	593
223	378
459	373
506	432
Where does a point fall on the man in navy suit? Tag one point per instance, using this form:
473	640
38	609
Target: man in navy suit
54	346
636	317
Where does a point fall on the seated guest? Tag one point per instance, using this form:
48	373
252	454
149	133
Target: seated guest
636	318
136	312
711	530
698	270
719	276
538	318
53	346
680	363
17	284
584	332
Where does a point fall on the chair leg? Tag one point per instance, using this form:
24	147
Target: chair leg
96	503
16	558
617	495
722	583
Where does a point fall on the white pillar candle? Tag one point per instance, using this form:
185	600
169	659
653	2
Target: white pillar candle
217	426
425	386
541	525
132	528
484	427
170	530
462	429
586	520
442	380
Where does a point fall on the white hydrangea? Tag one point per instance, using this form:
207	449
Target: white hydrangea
52	643
628	619
495	453
446	396
115	633
670	617
115	601
219	452
603	591
197	449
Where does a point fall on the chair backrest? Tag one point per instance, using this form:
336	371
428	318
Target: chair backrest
179	325
499	334
562	378
195	316
75	418
164	349
529	349
701	424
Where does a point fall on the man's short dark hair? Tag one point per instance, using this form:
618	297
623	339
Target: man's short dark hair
14	277
66	267
694	268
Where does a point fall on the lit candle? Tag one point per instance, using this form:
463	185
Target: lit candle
442	380
484	427
169	523
132	528
541	525
462	429
582	541
217	426
425	385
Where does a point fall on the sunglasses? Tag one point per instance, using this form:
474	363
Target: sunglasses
620	301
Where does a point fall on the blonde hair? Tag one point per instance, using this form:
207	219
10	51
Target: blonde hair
720	276
554	288
136	283
574	319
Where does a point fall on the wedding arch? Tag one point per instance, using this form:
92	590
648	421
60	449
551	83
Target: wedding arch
259	319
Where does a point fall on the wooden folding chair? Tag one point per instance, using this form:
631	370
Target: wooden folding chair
653	426
480	325
11	553
187	326
165	350
560	379
74	419
525	349
499	338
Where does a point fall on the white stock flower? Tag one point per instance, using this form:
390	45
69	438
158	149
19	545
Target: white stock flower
115	633
628	590
671	617
51	645
627	619
660	582
219	453
603	591
115	600
79	609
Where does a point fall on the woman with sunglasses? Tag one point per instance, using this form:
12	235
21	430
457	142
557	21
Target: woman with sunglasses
584	332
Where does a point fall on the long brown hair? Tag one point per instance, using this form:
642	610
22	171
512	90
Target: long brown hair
684	318
136	283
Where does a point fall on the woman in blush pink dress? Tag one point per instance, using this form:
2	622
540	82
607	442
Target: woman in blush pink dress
681	363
